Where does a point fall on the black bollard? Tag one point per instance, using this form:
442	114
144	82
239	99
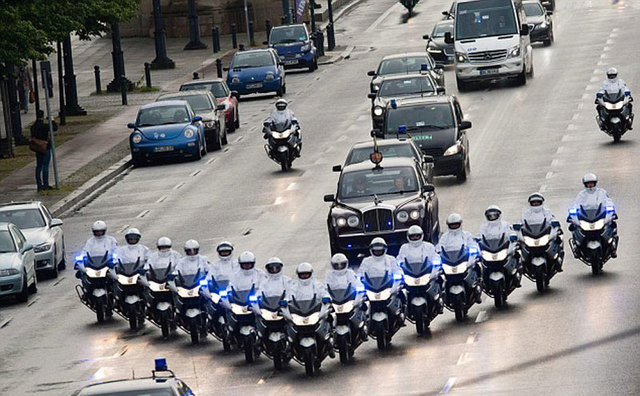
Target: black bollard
123	89
147	74
251	41
234	35
331	40
215	36
219	67
196	76
283	20
96	71
267	26
241	47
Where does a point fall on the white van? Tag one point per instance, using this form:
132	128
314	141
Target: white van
491	41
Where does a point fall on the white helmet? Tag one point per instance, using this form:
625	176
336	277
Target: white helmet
454	221
99	227
224	249
536	197
589	178
492	213
163	242
378	247
247	260
281	104
415	235
304	271
133	233
193	246
339	261
612	73
274	265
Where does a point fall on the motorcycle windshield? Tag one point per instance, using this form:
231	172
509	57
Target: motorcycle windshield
305	307
377	284
219	285
417	269
272	303
613	97
98	262
494	245
189	281
452	256
536	229
341	296
591	213
281	126
159	275
241	297
128	269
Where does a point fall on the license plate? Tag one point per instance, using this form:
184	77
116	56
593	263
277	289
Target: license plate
162	149
254	85
291	62
485	72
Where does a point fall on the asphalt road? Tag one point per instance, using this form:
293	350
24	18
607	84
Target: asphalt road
581	337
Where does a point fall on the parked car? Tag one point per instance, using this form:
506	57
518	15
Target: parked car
257	71
442	53
205	105
167	129
408	63
17	264
42	231
223	95
540	22
294	46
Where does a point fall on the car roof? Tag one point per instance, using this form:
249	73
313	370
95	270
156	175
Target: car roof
381	143
4	226
109	387
405	55
405	76
20	205
253	50
445	22
185	93
286	26
198	82
386	162
423	100
165	103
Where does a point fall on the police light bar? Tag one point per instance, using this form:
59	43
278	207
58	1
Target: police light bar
204	282
161	364
402	129
397	276
424	67
223	293
610	209
574	211
253	298
393	103
360	289
436	262
473	251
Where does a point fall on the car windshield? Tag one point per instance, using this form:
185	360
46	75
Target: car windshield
289	34
484	18
217	88
252	59
403	65
361	154
432	116
161	115
440	30
405	86
6	242
532	9
197	102
23	218
381	181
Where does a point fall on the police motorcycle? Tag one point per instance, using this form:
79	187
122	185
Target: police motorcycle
272	330
593	239
386	310
423	287
350	314
241	321
541	251
160	303
96	289
409	4
284	143
501	267
217	312
191	305
615	107
129	292
309	332
463	285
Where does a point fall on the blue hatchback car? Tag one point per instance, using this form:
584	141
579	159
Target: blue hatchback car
167	129
257	71
294	46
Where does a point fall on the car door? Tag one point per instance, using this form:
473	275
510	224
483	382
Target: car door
219	113
462	135
28	260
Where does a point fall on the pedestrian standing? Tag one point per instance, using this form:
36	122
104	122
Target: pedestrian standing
41	144
26	94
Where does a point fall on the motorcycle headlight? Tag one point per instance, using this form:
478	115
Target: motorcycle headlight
613	106
499	256
158	287
344	308
270	315
514	52
128	280
9	272
402	216
43	247
240	309
453	150
419	281
455	269
379	296
101	273
269	77
353	221
305	48
596	226
189	293
310	320
461	57
378	111
533	242
235	80
137	138
189	133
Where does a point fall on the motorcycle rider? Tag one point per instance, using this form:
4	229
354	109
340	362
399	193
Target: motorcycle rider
380	262
275	283
247	277
594	196
282	118
340	276
538	212
613	85
226	265
99	243
193	261
416	249
133	250
494	227
164	257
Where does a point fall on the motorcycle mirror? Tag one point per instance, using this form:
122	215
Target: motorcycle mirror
555	223
329	198
513	238
517	226
266	124
371	73
371	96
448	38
131	125
337	168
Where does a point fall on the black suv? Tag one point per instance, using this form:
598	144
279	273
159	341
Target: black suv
380	200
436	124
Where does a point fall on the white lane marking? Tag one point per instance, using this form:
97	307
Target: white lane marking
143	213
211	161
195	173
341	138
123	229
575	116
600	63
571	127
594	79
162	198
291	186
610	41
555	163
447	387
580	106
597	71
33	301
585	96
98	374
549	175
606	48
381	18
462	359
177	186
262	381
472	337
278	201
560	150
603	56
58	281
328	149
121	352
363	117
542	188
482	316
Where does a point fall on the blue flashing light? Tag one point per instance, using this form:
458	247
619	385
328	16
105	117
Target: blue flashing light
610	209
424	67
600	95
473	251
627	93
573	211
204	282
253	298
437	262
223	293
79	258
397	277
349	246
394	104
161	364
114	256
360	288
402	129
389	223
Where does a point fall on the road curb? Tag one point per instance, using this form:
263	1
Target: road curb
88	188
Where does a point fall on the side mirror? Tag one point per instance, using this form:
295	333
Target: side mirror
524	30
329	198
517	226
426	37
549	13
265	43
56	222
131	125
225	68
427	188
445	13
371	73
464	125
448	38
428	159
235	94
377	133
280	63
440	90
196	119
221	107
555	223
371	96
26	247
337	168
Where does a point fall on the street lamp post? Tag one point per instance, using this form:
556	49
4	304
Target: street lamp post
286	11
246	19
194	30
72	107
118	62
162	61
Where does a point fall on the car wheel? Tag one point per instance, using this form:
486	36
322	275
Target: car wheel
54	271
530	74
63	260
522	77
462	86
224	137
236	123
284	88
33	289
462	175
23	296
198	155
216	143
280	91
137	162
231	126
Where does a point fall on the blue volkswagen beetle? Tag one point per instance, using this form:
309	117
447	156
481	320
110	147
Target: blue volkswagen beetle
167	129
294	46
257	71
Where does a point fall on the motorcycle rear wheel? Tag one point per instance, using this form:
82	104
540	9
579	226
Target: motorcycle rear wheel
194	331
100	313
596	268
381	340
310	364
164	326
249	351
499	297
540	282
133	320
278	361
